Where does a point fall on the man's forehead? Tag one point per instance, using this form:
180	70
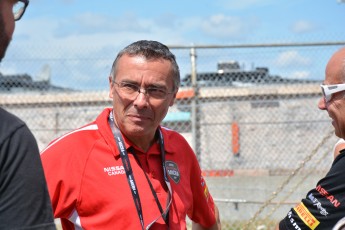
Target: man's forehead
335	68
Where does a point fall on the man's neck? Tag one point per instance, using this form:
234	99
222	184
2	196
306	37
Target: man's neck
142	143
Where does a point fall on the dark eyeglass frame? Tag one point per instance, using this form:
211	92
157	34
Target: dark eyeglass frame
18	11
131	88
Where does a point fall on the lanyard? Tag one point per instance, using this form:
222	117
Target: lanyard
130	177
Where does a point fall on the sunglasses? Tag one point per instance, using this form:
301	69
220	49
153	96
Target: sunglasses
19	9
328	90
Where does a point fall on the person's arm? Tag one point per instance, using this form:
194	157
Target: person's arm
23	189
332	185
216	226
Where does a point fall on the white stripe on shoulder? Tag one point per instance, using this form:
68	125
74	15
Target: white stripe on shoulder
169	129
166	128
86	128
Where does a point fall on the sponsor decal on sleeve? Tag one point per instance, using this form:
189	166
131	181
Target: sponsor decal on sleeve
308	218
205	188
318	204
336	203
292	221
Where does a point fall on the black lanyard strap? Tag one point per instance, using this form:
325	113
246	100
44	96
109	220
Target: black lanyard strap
130	177
129	172
151	187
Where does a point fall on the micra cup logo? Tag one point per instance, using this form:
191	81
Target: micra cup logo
172	170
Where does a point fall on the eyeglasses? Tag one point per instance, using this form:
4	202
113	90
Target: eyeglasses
328	90
19	8
131	91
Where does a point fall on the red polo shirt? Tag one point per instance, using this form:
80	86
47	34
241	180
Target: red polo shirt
89	188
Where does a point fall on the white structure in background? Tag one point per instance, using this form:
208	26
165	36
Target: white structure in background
45	74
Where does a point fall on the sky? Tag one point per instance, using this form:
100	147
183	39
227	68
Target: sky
79	39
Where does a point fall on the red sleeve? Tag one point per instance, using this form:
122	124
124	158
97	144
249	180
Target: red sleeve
63	175
203	204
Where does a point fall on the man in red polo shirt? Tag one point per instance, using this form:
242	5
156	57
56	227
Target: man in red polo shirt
125	171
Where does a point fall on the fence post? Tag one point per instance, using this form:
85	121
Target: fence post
57	115
194	104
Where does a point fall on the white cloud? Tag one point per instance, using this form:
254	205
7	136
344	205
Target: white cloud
300	75
8	70
91	23
222	26
94	31
80	50
67	1
36	30
243	4
292	58
302	26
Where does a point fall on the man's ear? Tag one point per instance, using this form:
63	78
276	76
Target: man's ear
111	84
110	78
173	100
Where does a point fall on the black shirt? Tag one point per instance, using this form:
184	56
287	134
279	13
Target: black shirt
24	198
324	205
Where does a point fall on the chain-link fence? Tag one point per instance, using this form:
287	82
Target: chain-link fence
249	112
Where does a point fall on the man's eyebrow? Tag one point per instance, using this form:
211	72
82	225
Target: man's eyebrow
157	85
129	81
151	85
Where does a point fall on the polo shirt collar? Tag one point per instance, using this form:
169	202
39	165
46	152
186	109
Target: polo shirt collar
104	128
153	150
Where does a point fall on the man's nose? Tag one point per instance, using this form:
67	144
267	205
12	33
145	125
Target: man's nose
143	91
322	103
142	98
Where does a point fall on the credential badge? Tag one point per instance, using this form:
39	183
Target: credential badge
173	171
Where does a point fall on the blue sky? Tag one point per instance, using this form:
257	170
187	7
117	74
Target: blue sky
82	28
181	22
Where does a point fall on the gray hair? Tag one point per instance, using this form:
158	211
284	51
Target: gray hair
151	50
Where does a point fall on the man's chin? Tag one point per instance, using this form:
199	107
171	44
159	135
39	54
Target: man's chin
2	52
4	43
338	134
